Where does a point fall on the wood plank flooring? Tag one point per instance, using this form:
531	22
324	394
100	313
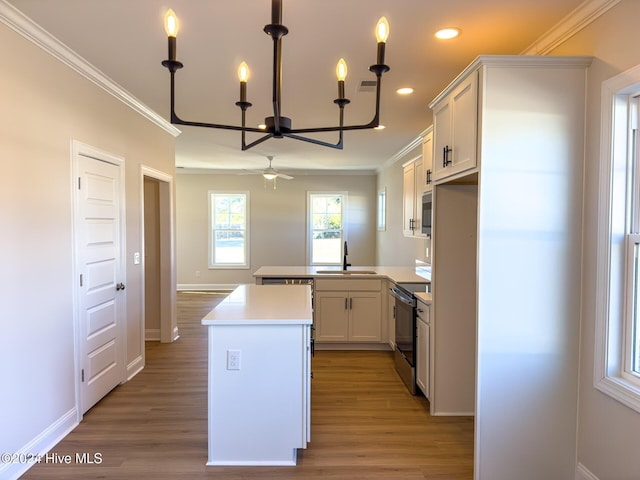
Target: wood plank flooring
365	424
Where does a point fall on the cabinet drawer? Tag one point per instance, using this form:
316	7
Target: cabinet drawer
348	284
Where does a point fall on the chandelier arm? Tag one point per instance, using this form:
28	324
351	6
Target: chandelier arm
375	121
256	142
337	146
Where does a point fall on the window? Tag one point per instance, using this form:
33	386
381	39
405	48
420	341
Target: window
382	210
617	352
228	229
326	228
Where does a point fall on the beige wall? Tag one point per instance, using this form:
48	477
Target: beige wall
46	105
608	432
277	222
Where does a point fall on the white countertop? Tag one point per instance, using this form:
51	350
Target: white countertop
396	274
423	297
263	305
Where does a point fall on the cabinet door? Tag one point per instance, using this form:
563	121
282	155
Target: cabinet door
464	125
455	126
408	200
427	163
421	363
332	316
365	320
441	136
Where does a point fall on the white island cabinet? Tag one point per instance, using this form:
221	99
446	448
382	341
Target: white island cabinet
259	375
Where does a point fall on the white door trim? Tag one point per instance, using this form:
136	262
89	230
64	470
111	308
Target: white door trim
79	149
168	320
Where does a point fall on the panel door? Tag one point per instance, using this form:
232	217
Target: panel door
101	301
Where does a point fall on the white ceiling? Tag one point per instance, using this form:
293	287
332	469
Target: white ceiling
125	40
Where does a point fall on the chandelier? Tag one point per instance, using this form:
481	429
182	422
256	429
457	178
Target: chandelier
277	125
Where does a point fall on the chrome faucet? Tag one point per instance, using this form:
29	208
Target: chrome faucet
344	258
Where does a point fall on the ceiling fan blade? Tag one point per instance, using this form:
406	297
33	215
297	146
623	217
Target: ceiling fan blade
284	177
251	172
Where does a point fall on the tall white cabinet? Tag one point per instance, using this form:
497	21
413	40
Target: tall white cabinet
508	161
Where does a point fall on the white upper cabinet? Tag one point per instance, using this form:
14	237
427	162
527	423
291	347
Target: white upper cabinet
455	127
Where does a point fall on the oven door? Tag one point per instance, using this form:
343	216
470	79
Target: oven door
405	321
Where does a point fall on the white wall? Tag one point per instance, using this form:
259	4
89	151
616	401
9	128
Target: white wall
44	106
608	431
277	222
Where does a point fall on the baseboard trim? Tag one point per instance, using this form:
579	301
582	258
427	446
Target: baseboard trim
351	346
453	414
583	473
135	367
152	335
207	287
40	445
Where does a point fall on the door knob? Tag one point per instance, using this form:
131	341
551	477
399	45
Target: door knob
120	286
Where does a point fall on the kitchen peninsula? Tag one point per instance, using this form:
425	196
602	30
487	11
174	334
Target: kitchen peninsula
259	374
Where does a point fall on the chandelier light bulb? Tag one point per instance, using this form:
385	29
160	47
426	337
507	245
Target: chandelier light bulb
341	70
382	30
243	72
171	23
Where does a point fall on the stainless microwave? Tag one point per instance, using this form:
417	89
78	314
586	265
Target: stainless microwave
427	208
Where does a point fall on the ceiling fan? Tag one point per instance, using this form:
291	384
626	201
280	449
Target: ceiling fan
269	173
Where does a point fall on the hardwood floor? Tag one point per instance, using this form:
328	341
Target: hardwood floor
365	424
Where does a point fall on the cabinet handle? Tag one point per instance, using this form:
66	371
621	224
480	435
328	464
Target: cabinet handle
351	304
411	224
345	303
428	177
445	156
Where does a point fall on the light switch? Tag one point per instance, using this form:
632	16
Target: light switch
136	258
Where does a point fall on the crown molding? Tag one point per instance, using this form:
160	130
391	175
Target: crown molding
578	19
27	28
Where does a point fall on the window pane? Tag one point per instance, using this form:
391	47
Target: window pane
326	249
229	247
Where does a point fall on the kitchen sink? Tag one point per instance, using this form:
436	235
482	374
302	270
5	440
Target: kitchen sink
346	272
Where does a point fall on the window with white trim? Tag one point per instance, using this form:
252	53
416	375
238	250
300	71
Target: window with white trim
228	229
325	220
617	349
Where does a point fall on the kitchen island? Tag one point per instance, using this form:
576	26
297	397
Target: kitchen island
259	371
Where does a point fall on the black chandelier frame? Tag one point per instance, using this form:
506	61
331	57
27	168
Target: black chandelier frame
278	125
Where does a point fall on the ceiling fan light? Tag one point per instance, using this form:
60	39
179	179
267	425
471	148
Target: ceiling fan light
269	176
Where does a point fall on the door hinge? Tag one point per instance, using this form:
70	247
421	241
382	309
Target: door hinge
80	279
83	375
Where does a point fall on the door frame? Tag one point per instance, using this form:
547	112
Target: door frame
79	149
168	316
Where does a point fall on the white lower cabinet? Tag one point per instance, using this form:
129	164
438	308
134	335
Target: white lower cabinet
348	310
423	364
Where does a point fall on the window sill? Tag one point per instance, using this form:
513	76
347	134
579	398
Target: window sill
621	390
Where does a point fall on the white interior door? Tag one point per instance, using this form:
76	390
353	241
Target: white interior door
100	269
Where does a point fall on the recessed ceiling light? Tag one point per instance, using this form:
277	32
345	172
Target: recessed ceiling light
447	33
404	91
379	127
